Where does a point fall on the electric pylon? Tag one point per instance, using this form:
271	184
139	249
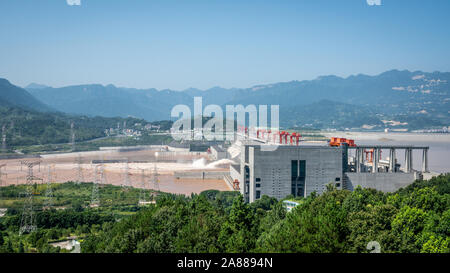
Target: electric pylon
103	180
49	191
155	182
4	139
95	198
72	136
143	194
126	179
27	222
80	177
1	178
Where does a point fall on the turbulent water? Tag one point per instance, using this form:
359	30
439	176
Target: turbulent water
201	163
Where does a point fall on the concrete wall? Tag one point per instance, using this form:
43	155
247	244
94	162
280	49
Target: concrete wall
200	175
273	168
227	178
218	153
177	149
385	182
133	148
235	172
18	156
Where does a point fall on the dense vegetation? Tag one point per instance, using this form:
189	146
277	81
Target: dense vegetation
70	217
412	220
416	219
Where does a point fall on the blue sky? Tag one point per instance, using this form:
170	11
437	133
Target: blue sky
194	43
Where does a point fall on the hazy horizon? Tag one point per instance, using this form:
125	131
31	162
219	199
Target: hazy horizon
201	44
218	86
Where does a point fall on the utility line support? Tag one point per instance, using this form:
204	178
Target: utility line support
143	194
126	183
95	197
1	178
49	191
27	222
4	139
155	182
80	177
103	180
72	136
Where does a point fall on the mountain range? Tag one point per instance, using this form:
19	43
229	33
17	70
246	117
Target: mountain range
394	98
14	96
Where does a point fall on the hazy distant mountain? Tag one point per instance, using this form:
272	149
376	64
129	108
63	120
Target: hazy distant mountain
30	122
111	101
11	95
390	87
416	95
36	86
329	114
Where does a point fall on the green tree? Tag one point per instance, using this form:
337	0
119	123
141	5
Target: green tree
372	224
436	244
238	233
408	224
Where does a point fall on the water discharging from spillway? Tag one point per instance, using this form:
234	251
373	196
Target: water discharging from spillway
201	163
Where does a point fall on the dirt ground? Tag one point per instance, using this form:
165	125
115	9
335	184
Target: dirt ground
66	168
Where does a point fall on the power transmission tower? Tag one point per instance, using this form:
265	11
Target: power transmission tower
80	177
103	180
126	179
72	136
155	182
49	191
95	198
3	139
143	194
1	178
27	222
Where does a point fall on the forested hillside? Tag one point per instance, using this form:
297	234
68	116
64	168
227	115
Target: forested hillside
27	121
73	216
415	219
14	96
27	127
412	220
